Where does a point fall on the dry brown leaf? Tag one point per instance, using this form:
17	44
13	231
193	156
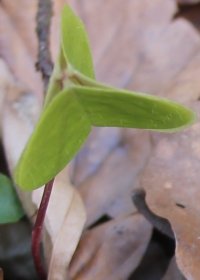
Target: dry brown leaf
111	251
171	180
67	240
186	86
15	52
100	144
173	272
22	17
108	191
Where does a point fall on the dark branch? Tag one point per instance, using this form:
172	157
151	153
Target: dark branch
44	63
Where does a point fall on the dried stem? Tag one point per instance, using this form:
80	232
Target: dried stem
44	63
37	231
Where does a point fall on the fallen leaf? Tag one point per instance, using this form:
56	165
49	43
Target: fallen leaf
101	142
69	235
173	272
171	180
23	22
112	250
16	54
108	191
185	87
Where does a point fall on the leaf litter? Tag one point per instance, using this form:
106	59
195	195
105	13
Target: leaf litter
106	172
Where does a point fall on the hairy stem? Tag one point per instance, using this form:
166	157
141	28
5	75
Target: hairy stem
37	230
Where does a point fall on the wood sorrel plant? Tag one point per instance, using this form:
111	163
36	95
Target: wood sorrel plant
75	102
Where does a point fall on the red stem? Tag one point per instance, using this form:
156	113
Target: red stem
37	230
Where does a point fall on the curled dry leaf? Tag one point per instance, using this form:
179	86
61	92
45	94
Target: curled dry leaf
112	250
64	222
68	238
171	180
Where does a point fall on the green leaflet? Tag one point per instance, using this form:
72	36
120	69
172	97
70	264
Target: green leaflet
75	44
10	207
59	134
74	57
65	125
113	107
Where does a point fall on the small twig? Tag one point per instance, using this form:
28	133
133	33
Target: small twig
44	63
162	224
37	231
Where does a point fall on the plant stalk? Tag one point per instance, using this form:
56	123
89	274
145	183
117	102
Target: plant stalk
37	230
45	65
